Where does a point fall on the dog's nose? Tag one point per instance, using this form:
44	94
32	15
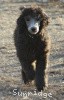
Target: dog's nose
33	29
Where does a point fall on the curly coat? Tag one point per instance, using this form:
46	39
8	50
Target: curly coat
33	47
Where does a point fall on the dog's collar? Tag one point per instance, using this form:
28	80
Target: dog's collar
32	36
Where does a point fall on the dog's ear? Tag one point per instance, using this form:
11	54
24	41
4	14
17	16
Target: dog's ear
46	19
20	20
22	8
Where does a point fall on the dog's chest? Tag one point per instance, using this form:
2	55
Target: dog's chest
31	48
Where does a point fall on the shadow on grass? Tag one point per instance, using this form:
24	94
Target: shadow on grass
58	66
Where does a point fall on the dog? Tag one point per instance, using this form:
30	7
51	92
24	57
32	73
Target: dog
33	44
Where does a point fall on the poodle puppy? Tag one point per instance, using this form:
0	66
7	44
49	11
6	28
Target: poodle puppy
33	44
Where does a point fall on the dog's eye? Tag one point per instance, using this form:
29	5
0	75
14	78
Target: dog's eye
38	18
27	18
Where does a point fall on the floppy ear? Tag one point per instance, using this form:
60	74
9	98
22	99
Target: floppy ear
20	20
45	19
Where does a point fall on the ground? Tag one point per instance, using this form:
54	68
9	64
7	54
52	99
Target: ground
10	69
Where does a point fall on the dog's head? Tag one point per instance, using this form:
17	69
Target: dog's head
34	19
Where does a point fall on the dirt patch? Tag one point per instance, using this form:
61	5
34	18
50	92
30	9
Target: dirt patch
10	69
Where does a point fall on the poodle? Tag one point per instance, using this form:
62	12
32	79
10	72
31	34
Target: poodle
33	44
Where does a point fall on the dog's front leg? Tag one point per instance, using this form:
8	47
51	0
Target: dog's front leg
41	72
